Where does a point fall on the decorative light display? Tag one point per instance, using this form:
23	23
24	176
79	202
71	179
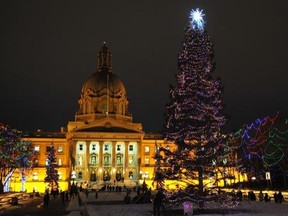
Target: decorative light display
15	154
254	137
275	153
52	176
194	121
197	20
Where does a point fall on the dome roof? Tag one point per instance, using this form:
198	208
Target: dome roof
97	84
103	93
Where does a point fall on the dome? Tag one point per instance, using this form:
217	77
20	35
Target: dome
97	84
103	93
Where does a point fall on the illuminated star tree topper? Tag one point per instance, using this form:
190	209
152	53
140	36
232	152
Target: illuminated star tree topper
197	21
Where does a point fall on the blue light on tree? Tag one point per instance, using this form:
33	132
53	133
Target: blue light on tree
197	21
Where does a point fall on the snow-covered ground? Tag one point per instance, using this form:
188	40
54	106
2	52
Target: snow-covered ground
246	208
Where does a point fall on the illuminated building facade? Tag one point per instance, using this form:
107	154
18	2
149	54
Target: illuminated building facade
102	144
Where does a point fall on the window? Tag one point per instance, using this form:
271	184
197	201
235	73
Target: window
35	176
80	175
59	175
59	161
130	147
80	147
93	160
37	149
130	159
106	147
80	161
146	149
60	149
48	149
147	160
118	160
35	163
106	159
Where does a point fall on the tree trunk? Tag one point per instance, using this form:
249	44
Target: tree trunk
1	187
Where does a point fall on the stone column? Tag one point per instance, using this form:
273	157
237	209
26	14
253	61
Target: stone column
125	162
113	155
100	174
87	162
139	155
71	160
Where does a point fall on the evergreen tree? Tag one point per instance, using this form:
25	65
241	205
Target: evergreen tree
15	154
276	152
195	114
51	169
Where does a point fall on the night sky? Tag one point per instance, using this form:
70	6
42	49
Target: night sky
49	48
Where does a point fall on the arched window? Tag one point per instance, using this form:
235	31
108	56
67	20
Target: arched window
118	160
93	160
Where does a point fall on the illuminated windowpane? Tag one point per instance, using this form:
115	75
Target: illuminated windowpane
146	149
60	149
59	175
147	160
35	176
80	161
37	149
131	159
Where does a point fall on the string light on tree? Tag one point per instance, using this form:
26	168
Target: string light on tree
194	121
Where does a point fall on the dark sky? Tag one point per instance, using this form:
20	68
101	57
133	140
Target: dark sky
49	48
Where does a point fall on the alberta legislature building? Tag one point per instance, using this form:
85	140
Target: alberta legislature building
102	145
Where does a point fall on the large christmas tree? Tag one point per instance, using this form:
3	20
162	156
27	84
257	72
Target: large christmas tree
194	114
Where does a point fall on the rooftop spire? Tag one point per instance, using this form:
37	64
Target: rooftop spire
104	62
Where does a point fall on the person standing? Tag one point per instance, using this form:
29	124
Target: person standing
266	198
158	202
261	196
280	197
46	199
275	197
86	192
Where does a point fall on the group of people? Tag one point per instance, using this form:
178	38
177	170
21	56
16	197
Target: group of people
262	197
278	197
